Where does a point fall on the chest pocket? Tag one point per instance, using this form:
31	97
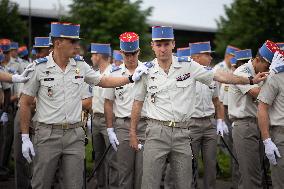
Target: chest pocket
120	92
184	83
49	88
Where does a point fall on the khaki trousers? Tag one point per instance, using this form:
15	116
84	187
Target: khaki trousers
161	142
126	164
100	143
204	138
249	152
277	171
54	145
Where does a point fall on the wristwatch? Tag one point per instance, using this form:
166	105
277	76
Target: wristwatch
250	80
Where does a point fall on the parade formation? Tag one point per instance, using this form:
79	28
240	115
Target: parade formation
149	122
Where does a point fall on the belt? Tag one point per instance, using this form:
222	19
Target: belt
63	126
126	118
206	117
99	115
278	129
243	118
172	124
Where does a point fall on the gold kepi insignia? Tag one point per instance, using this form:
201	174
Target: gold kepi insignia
77	71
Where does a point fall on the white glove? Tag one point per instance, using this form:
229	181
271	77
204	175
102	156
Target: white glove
220	127
225	128
112	138
277	62
27	147
139	71
4	118
271	150
24	76
140	146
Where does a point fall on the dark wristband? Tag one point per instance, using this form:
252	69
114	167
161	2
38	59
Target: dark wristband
130	79
251	80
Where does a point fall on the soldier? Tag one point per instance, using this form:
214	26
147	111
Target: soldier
226	66
117	58
125	163
57	83
101	54
203	132
270	115
243	111
169	93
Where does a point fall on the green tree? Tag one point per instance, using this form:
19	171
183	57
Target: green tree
102	21
12	26
248	23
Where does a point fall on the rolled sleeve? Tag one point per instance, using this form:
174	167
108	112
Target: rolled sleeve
268	91
245	88
86	91
201	73
32	85
108	93
140	89
91	76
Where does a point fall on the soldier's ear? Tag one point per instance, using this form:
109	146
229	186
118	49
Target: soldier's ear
174	44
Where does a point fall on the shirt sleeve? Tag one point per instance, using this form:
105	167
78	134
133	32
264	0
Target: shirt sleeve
32	85
201	73
269	91
140	89
108	93
86	91
244	88
91	76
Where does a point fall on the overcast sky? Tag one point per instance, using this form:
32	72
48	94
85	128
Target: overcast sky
200	13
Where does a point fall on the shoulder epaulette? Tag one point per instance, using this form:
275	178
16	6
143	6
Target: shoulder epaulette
246	70
149	64
78	58
208	68
279	69
41	60
184	59
114	68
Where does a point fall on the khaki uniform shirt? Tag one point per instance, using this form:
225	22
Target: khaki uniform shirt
123	96
98	99
241	104
204	106
272	93
171	97
59	92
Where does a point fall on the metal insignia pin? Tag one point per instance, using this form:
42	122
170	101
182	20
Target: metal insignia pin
77	71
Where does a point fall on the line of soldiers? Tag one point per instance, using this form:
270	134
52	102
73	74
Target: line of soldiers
156	115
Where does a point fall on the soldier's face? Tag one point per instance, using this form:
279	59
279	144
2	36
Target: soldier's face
69	47
7	56
95	59
203	58
130	58
42	52
163	49
14	53
262	65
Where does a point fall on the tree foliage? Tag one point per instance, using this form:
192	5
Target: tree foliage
102	21
248	23
12	26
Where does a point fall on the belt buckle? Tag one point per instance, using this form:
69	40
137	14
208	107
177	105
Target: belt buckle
172	124
64	126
